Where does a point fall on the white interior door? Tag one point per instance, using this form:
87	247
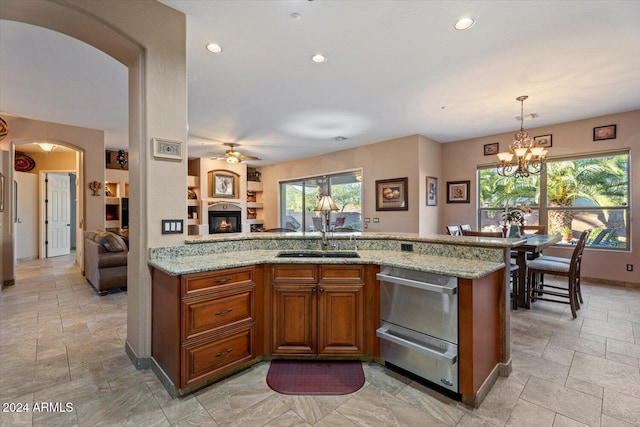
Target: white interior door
58	219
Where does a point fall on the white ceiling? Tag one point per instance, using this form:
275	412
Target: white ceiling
394	68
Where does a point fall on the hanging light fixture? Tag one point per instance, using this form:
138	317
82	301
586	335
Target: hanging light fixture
529	159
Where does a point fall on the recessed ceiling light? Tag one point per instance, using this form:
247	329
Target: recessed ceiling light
464	23
318	58
295	16
214	48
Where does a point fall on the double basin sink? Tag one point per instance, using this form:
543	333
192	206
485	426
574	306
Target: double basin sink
317	254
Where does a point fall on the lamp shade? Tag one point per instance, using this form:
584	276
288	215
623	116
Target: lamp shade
326	204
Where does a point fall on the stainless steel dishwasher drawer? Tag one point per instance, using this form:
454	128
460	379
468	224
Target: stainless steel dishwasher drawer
426	303
428	357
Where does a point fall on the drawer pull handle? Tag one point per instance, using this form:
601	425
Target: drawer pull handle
221	312
224	353
225	280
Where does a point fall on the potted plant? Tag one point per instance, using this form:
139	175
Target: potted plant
567	234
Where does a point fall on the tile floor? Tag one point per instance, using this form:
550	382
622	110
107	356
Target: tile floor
60	342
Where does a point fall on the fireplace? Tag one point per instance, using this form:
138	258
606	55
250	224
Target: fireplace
224	218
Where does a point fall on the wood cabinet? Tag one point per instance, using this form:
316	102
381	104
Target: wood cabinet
318	309
204	324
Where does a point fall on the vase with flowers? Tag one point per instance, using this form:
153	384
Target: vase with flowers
514	216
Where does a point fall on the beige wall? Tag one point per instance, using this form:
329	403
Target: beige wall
461	159
413	157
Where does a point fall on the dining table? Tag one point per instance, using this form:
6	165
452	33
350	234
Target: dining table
532	247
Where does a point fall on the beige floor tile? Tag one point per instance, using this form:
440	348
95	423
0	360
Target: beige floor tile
612	328
372	406
580	344
584	387
558	398
621	406
558	354
562	421
608	421
536	366
606	373
527	414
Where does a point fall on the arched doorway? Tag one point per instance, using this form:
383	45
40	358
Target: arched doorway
156	60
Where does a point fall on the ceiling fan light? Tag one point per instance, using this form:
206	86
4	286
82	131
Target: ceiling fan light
233	159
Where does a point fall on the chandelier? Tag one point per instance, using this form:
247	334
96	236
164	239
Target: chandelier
529	159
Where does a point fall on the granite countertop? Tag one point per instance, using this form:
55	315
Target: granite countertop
464	268
493	242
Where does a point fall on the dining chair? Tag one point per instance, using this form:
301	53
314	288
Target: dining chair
571	270
568	261
465	227
482	233
454	230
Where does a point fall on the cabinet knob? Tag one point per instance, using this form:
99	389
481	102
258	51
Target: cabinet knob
313	290
321	289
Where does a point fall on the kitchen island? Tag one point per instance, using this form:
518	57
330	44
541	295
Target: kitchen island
218	302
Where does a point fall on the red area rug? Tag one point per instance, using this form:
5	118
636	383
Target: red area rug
315	377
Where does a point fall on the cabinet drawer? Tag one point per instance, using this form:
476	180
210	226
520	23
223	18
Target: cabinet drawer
204	315
207	358
200	283
295	273
342	274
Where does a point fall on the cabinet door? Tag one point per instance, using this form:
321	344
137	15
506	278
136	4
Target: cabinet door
341	319
294	319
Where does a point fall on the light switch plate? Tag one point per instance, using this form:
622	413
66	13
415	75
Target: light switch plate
172	226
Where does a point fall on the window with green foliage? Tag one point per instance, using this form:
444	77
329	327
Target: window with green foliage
298	198
569	196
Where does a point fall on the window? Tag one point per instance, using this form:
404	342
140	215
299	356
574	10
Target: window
577	193
298	198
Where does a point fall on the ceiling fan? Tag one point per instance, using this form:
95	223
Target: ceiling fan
233	156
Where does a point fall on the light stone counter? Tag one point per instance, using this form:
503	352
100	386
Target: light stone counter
465	257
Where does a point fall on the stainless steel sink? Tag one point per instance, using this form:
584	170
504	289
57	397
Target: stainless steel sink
317	254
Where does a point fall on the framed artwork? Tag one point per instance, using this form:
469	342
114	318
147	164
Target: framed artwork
604	132
165	149
432	191
223	184
491	149
458	191
542	141
391	194
1	192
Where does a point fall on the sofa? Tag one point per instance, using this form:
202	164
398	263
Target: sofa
105	260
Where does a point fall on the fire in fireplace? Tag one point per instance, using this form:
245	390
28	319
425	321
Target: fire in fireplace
224	218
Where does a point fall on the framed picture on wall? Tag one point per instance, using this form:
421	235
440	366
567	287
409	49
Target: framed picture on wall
391	194
491	149
432	191
458	191
604	132
223	184
542	141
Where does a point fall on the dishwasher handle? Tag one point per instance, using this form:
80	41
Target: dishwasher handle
384	333
451	289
